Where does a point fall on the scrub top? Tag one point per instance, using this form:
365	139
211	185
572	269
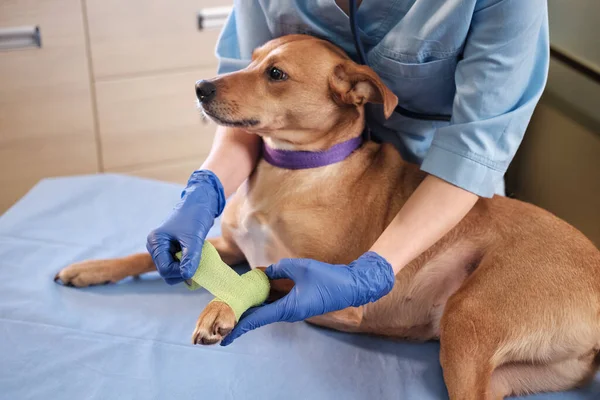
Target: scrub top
484	62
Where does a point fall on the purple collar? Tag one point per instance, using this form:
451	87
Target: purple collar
292	159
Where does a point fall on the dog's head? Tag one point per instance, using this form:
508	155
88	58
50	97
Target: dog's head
296	90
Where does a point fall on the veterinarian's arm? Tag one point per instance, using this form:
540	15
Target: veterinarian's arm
499	80
232	157
432	210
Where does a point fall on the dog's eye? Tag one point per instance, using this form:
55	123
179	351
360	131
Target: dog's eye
276	74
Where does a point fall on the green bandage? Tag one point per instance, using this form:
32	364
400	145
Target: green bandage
240	292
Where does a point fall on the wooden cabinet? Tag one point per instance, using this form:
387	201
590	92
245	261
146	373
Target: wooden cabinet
46	114
132	37
111	89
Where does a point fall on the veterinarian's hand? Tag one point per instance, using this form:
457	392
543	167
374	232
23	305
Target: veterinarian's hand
186	228
319	288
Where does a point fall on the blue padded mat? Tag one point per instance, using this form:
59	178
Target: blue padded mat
132	340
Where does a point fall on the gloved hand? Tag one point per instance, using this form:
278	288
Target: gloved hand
319	288
185	229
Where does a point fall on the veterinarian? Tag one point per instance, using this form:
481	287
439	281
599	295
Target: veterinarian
482	62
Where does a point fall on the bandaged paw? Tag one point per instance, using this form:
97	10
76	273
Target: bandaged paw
240	292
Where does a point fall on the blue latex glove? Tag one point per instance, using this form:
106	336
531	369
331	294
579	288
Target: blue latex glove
185	229
319	288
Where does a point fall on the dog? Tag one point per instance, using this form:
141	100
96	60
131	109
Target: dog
512	292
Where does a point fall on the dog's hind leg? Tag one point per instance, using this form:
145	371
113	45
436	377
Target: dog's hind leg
521	379
346	320
466	352
484	359
502	333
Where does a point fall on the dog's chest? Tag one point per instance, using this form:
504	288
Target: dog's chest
257	226
275	217
258	239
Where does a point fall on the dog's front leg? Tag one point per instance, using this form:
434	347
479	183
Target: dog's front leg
96	272
218	318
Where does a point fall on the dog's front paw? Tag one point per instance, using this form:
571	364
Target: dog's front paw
215	322
88	273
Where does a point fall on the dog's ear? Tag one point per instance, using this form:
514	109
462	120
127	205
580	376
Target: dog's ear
356	84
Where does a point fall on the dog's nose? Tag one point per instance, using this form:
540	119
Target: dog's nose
205	91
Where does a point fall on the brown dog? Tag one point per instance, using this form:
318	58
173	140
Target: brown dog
512	292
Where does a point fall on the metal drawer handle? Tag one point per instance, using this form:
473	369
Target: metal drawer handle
214	17
20	37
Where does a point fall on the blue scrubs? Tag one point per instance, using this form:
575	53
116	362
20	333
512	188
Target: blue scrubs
485	62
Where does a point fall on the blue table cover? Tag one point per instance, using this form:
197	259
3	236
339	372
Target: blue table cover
132	340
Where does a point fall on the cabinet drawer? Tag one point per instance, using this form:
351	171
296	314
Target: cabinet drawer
129	37
151	119
45	91
23	163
